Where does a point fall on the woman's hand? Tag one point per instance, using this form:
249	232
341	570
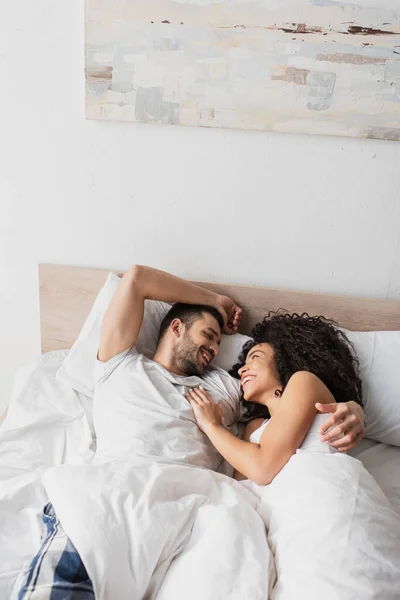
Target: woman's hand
230	312
346	425
206	412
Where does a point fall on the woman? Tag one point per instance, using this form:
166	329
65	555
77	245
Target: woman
331	530
294	363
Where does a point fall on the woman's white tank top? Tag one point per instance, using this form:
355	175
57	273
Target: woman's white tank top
311	442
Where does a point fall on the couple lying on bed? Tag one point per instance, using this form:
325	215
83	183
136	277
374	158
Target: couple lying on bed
297	367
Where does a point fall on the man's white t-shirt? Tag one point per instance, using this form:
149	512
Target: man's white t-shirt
140	410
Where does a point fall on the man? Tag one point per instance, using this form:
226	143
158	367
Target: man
140	407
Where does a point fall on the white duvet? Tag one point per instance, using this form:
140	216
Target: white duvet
130	520
147	530
332	531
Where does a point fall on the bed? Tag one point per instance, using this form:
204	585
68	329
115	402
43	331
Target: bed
66	297
67	294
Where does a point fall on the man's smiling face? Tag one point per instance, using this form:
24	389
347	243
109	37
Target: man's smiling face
198	345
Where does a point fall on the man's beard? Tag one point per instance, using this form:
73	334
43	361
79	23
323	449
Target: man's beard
186	357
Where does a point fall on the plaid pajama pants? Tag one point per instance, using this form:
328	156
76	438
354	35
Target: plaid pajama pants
57	571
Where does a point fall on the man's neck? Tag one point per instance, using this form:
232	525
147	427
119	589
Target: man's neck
162	357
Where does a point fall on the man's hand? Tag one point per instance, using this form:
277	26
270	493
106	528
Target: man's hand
206	412
346	425
231	313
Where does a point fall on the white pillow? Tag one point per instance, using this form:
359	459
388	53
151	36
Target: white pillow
78	366
229	350
379	356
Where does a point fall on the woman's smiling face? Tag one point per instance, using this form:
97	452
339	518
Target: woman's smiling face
258	374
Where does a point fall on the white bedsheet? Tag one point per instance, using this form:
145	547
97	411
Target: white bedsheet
151	513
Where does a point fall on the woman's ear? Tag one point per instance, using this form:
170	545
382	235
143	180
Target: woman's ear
278	393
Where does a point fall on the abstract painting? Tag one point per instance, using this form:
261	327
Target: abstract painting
328	67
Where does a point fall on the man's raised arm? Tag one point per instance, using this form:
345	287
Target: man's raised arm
123	318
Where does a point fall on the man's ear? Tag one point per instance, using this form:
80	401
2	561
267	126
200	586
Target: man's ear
177	327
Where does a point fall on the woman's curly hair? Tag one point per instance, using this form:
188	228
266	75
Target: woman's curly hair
304	343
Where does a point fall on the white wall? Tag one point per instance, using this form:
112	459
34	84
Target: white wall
300	212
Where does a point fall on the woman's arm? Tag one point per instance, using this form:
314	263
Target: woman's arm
281	438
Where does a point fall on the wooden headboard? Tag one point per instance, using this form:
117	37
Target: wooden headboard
67	295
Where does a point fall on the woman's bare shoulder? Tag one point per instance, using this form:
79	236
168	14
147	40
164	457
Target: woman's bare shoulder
306	384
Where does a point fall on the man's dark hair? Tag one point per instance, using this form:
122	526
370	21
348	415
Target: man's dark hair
188	314
304	343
